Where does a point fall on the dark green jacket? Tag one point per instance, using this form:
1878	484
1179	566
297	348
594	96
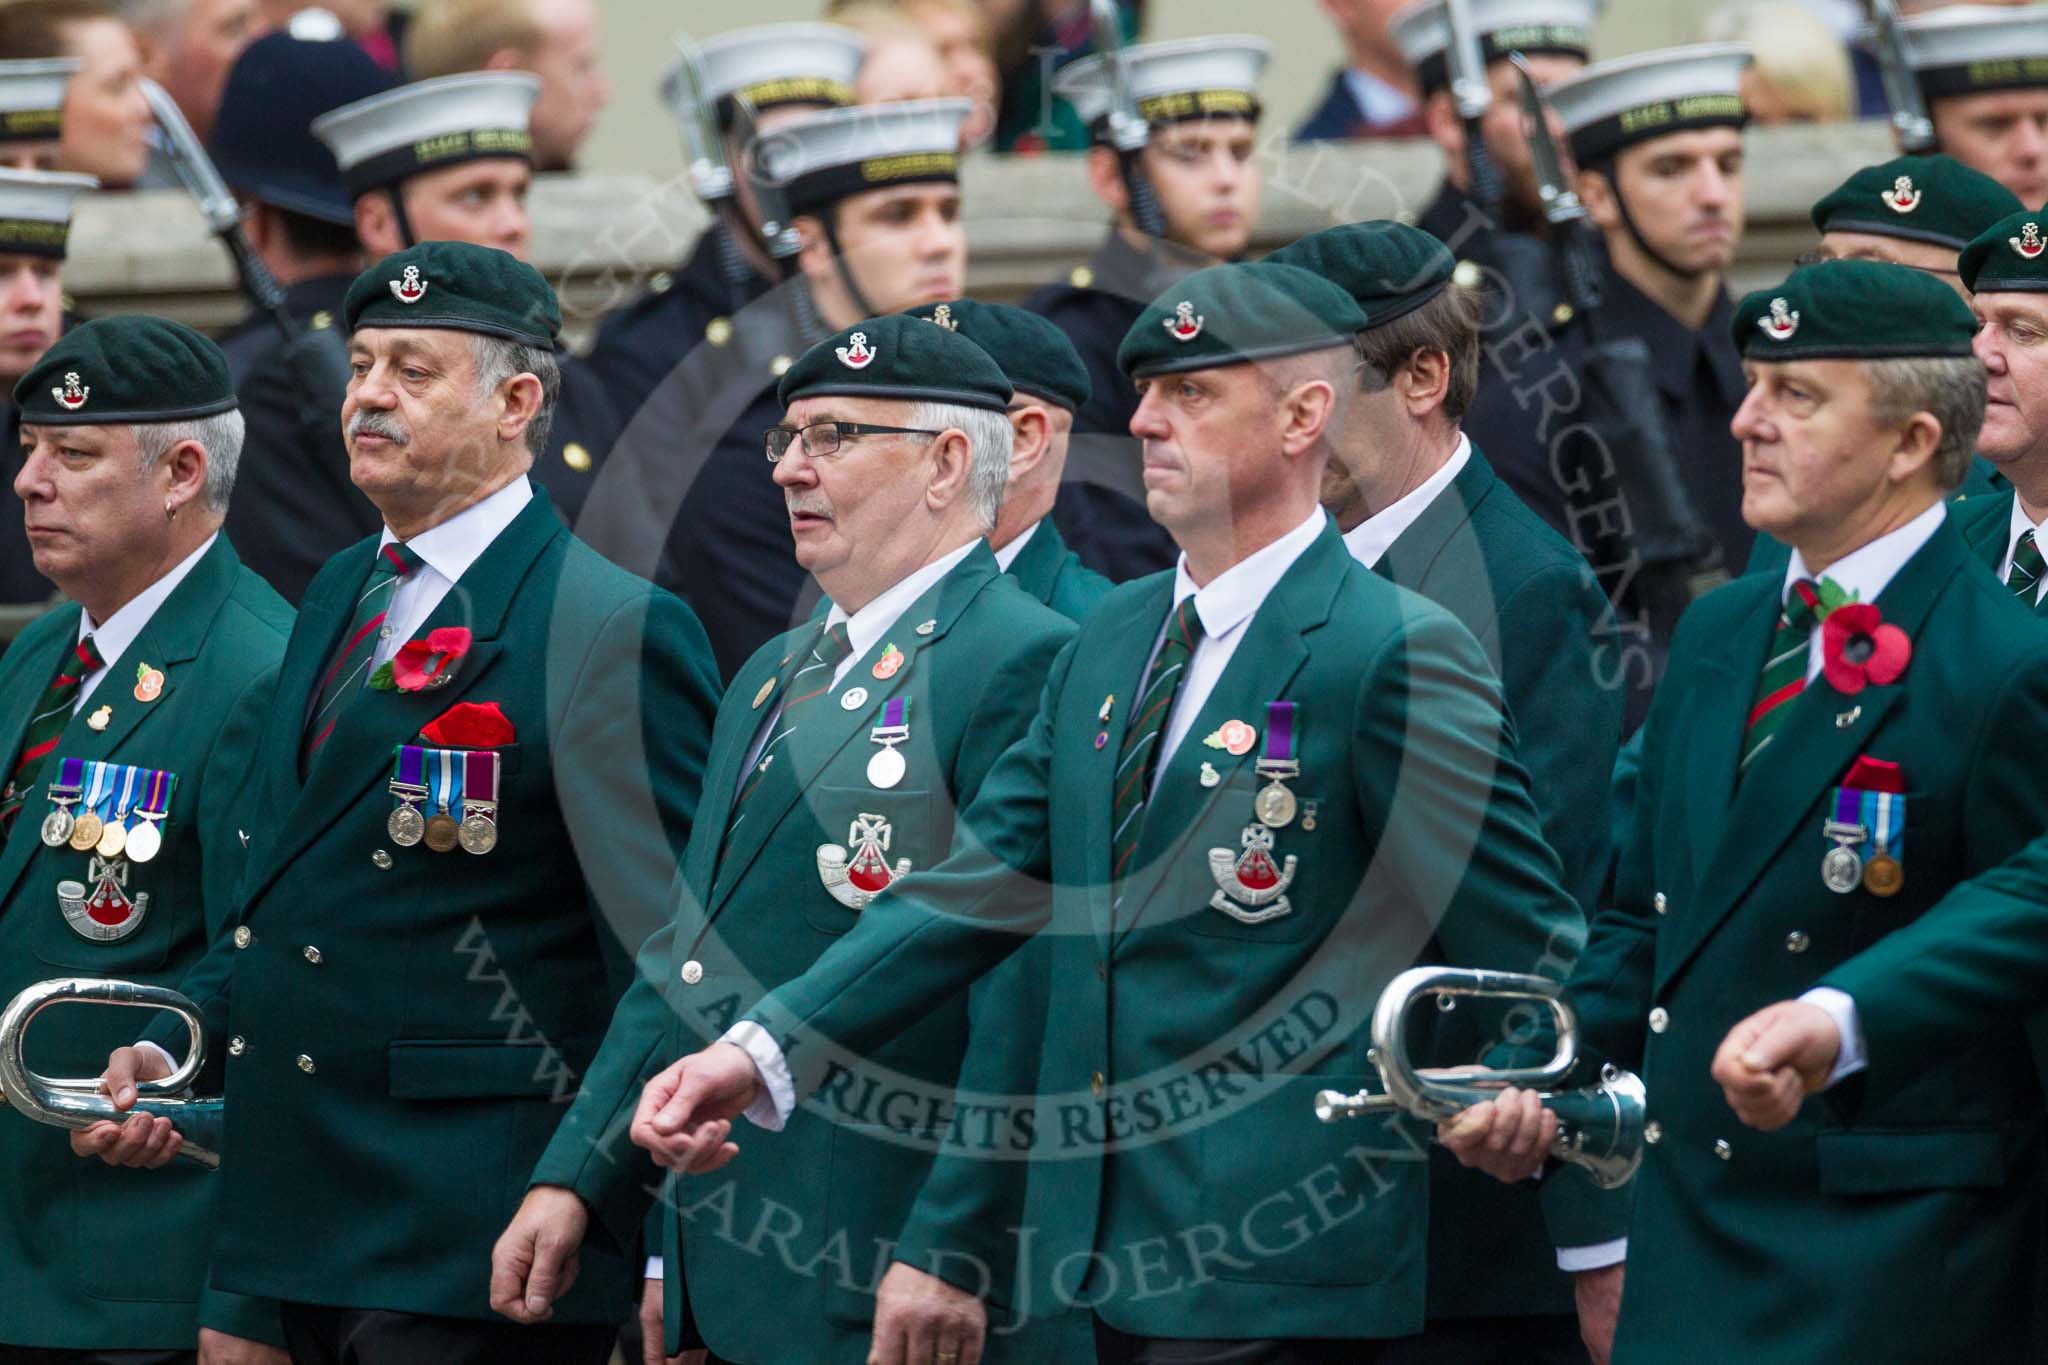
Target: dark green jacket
102	1259
1533	604
1912	1231
1055	575
1174	1122
754	913
410	1025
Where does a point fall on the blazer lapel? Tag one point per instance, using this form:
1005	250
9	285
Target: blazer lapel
1823	733
1713	744
1037	565
26	838
1416	550
315	636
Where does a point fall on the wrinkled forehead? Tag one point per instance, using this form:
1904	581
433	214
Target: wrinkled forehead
840	408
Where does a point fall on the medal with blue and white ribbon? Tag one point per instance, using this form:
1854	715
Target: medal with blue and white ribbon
1883	873
1274	805
409	784
444	794
886	767
86	829
114	834
1841	871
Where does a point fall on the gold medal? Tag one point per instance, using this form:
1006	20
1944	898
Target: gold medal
1883	876
113	839
1274	804
85	832
443	832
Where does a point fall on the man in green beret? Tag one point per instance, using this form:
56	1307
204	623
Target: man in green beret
463	816
134	708
1419	504
1052	386
1255	789
1832	751
842	753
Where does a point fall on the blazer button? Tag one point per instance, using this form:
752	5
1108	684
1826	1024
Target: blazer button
243	937
1723	1150
305	1064
312	955
1797	941
1660	902
1653	1132
381	859
1660	1019
237	1045
693	972
1096	1083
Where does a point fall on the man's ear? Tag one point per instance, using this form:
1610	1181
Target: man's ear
1031	430
1596	192
952	461
1424	380
1105	178
1306	412
377	225
1440	117
814	257
520	397
184	464
1918	442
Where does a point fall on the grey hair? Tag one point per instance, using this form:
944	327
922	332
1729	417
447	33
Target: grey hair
221	434
1950	388
989	442
499	359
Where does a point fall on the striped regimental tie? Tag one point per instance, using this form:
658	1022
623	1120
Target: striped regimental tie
1784	675
1138	759
345	676
2026	567
809	682
52	714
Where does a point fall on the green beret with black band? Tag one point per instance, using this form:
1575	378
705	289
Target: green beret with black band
1934	199
1854	310
1237	314
2010	256
125	369
1034	353
898	357
457	287
1390	268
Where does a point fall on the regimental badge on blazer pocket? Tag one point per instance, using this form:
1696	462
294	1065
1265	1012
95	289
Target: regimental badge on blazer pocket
114	816
871	839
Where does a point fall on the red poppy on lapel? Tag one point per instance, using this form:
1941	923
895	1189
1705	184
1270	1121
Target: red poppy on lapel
470	725
420	664
1857	647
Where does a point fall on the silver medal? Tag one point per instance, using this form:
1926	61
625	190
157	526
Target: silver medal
406	825
1274	805
478	834
57	827
886	767
145	841
1841	870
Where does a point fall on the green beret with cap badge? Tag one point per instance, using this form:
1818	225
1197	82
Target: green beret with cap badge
457	287
124	369
1918	198
1854	310
1390	268
898	357
1033	352
2010	256
1236	314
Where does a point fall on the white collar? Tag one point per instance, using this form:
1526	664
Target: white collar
1865	571
1007	556
2017	526
117	632
1233	595
865	628
1378	101
451	547
1374	536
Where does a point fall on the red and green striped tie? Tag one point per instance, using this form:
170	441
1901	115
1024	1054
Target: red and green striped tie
2025	574
1784	675
1138	759
344	676
810	681
52	714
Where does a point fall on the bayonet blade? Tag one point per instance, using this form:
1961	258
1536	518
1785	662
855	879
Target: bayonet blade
777	231
1910	122
1126	129
683	88
1469	90
195	169
1553	187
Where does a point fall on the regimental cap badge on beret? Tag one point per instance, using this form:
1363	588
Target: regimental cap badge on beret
898	356
1901	197
71	395
140	368
1934	199
1782	322
856	354
2028	244
409	287
1185	324
1035	355
943	316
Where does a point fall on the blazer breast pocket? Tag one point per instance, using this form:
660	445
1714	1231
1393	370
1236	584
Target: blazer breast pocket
1247	875
867	838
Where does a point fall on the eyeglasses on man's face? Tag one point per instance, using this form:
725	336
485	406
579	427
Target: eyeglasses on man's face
822	440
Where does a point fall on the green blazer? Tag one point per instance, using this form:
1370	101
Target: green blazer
404	1028
1910	1231
754	913
1533	604
1178	1071
113	1259
1055	575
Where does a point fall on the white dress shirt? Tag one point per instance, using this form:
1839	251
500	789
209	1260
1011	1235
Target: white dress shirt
1007	556
446	552
2019	525
1378	101
113	637
1372	538
1863	573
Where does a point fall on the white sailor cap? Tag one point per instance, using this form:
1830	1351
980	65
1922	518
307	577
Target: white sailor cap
825	158
1971	49
775	64
383	140
1184	79
1547	27
32	98
1616	104
35	211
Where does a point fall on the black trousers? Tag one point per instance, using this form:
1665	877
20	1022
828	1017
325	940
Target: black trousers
353	1336
1548	1340
41	1355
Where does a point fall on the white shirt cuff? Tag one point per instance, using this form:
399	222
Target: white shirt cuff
653	1271
1596	1257
1839	1007
170	1062
778	1097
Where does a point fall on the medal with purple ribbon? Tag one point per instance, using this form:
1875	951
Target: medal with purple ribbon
409	784
64	794
1274	805
887	767
1841	871
146	840
479	832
